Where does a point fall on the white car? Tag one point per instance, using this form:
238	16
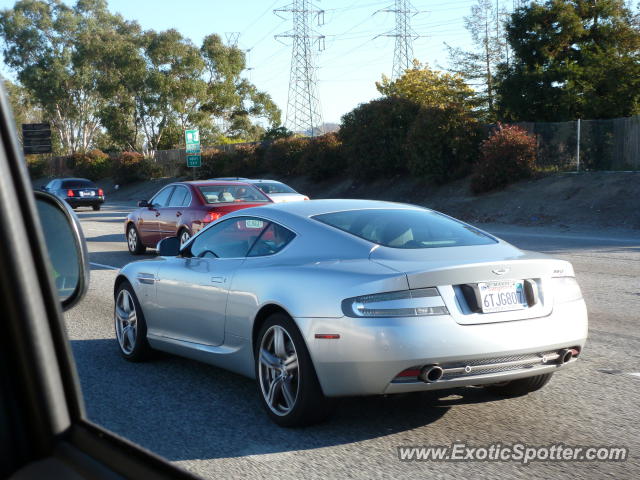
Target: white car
278	192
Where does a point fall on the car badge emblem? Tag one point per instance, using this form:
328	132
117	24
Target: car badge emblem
500	271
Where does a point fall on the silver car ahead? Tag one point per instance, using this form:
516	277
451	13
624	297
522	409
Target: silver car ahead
333	298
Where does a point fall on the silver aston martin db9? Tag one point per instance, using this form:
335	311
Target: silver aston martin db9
333	298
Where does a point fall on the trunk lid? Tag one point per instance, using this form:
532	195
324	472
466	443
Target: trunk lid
457	271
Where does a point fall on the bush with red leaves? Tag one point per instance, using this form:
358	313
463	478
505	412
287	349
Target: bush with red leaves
507	156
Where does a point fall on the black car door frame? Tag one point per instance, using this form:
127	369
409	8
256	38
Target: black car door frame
44	432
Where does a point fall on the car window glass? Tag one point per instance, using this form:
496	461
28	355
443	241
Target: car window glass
274	187
78	184
406	229
229	239
231	193
162	198
178	197
274	238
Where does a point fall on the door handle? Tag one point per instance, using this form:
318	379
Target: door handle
178	214
157	213
218	279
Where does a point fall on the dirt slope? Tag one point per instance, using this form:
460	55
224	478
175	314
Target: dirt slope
587	200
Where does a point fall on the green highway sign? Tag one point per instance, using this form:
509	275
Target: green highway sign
192	143
194	161
192	137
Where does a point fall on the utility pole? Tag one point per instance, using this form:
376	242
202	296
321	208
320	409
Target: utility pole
404	35
303	106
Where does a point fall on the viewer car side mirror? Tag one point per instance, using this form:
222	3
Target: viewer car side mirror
144	203
168	247
69	265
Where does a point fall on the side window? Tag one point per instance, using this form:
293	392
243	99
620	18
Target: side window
274	238
162	197
179	196
229	239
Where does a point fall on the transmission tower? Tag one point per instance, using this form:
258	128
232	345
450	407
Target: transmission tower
303	106
404	35
232	38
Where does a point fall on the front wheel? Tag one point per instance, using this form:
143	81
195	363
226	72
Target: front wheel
287	381
130	325
133	241
522	386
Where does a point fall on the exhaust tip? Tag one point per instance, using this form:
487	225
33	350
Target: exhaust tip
431	373
565	356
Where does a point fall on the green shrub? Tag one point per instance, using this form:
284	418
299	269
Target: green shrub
442	144
507	156
322	158
132	167
37	166
93	165
374	136
284	155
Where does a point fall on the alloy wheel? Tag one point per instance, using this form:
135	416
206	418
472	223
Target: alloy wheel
132	239
278	370
184	238
126	322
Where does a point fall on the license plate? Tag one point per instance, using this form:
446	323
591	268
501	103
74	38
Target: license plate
87	194
502	296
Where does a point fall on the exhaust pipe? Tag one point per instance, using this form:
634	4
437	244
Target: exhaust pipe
431	373
565	356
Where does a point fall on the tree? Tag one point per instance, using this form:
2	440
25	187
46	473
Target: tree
429	88
571	59
22	105
40	45
232	98
479	66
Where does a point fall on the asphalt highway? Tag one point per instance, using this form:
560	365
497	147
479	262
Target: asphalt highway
210	421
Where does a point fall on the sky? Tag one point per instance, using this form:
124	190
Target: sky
356	51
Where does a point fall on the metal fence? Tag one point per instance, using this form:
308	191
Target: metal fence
588	144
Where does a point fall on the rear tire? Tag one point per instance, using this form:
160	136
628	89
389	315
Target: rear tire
287	382
133	241
130	325
183	236
96	208
522	386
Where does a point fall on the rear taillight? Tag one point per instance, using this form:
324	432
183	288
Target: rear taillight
306	198
100	192
70	193
423	302
211	217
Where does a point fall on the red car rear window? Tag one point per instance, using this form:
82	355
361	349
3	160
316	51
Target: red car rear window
232	193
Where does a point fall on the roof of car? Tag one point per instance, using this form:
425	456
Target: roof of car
317	207
204	183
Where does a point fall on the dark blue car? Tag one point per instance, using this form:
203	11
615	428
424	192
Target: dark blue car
77	192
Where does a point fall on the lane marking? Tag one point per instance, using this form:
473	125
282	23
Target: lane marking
634	374
109	267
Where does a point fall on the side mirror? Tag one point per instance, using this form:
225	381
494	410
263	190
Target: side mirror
43	188
168	247
66	247
144	203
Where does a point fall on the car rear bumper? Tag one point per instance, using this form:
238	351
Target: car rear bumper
371	353
84	201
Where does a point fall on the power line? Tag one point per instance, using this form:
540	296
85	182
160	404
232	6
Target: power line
303	105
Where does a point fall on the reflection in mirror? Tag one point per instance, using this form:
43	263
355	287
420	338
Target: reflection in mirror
62	248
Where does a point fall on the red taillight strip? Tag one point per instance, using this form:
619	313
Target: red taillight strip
411	372
328	336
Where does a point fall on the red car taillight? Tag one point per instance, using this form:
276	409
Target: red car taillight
211	217
100	192
70	193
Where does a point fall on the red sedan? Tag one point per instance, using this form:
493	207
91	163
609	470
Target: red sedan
184	208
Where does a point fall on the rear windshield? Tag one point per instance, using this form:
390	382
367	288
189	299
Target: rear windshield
78	184
273	187
407	229
231	193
